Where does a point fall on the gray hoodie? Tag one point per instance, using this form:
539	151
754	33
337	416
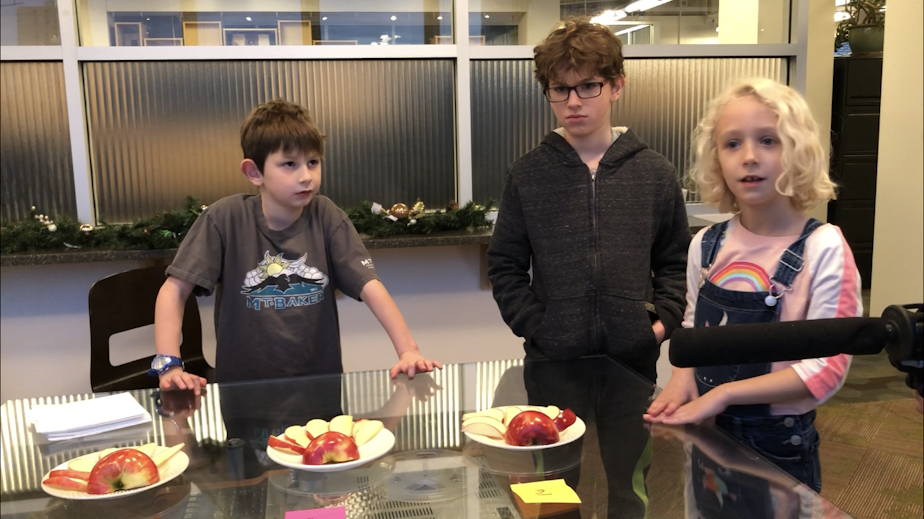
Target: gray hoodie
608	252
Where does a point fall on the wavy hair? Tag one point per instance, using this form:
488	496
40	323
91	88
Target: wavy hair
804	178
579	45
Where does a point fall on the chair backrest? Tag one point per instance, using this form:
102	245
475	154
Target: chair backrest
126	301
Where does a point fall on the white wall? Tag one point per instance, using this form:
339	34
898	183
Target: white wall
45	332
898	242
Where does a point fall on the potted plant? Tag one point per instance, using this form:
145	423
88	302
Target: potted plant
864	28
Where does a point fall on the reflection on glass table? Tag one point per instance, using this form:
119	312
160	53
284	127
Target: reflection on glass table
619	467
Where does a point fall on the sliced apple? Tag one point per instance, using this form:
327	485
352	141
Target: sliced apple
485	426
65	483
161	457
356	426
297	435
495	412
147	448
84	463
316	428
342	424
68	473
369	429
552	412
510	411
283	445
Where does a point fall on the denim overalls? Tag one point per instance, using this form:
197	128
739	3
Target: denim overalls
791	442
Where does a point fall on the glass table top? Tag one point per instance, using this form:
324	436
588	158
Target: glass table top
619	467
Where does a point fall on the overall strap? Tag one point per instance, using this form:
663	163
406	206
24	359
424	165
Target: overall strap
791	261
711	244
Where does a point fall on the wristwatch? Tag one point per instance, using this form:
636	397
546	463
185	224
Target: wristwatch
162	363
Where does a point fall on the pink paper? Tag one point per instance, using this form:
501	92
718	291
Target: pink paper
321	513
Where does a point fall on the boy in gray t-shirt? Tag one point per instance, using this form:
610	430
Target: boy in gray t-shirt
276	259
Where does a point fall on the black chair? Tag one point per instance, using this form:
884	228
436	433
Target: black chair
123	302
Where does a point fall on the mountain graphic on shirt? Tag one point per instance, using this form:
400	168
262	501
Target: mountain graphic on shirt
277	276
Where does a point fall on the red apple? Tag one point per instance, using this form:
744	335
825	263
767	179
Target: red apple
65	483
531	428
565	419
330	447
68	473
284	445
122	470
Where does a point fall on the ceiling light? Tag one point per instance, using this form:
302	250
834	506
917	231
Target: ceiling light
248	18
393	18
608	17
633	29
323	18
487	16
439	17
644	5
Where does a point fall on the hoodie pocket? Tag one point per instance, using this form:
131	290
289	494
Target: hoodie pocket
566	329
627	329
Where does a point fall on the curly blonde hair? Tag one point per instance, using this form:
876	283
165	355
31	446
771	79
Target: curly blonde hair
804	178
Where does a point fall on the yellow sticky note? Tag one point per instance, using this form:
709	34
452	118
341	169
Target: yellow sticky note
553	491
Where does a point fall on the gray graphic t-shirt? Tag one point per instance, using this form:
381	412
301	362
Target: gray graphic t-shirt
275	311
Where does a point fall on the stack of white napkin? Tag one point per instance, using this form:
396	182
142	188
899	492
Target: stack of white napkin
87	417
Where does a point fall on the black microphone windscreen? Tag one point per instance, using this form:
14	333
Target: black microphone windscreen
775	342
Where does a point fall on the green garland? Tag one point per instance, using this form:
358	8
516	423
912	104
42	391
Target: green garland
167	230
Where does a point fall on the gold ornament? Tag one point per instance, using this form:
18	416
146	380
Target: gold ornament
85	228
418	209
399	211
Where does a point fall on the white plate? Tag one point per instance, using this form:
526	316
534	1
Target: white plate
175	466
373	449
570	434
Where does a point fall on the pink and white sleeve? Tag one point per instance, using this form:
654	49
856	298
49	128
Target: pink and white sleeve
835	292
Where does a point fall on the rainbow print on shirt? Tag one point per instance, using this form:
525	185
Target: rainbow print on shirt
742	277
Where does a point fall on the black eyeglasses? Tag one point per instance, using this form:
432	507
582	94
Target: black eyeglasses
559	94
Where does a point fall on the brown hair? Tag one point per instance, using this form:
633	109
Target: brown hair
579	45
279	125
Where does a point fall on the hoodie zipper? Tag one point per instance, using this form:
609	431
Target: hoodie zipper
596	269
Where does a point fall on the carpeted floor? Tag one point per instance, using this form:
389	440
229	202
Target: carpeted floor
872	459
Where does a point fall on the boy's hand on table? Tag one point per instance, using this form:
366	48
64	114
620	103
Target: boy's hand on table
412	362
176	378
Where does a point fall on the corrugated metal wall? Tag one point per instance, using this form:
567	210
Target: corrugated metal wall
35	146
663	101
162	130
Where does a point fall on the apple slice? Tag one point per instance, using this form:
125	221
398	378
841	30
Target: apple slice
369	429
84	463
342	424
283	445
509	412
552	412
297	435
316	427
495	412
148	448
161	457
485	426
65	483
356	426
68	473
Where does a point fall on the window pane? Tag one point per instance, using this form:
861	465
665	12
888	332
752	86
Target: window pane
35	146
263	23
29	22
663	101
514	22
160	131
